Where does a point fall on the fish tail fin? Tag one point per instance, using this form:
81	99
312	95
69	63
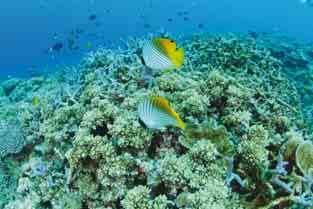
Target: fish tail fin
181	123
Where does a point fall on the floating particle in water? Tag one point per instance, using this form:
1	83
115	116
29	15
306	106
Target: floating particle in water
57	46
306	88
92	17
170	19
147	25
186	19
200	25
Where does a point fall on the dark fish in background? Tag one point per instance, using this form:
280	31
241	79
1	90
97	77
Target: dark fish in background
253	34
200	26
147	25
186	18
92	17
57	46
170	19
180	13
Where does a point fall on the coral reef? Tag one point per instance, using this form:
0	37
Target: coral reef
81	145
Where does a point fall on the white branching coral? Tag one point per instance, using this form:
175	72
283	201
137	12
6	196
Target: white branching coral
11	138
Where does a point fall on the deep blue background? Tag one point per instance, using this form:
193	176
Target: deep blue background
27	28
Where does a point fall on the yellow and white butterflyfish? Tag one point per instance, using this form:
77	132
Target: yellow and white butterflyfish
156	113
162	54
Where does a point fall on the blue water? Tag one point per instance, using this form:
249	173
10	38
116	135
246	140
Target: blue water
29	28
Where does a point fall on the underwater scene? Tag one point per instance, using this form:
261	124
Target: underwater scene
156	104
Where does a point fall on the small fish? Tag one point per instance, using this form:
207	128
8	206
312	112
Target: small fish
162	54
92	17
186	18
306	87
88	45
200	25
253	34
156	113
180	13
36	101
147	25
57	46
170	19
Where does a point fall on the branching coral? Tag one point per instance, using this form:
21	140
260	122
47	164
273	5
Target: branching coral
11	138
90	151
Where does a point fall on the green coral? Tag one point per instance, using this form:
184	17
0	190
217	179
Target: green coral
140	198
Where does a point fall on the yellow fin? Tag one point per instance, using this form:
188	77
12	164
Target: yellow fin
168	48
178	60
164	45
163	104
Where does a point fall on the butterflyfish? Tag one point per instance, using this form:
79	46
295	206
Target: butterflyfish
162	54
156	113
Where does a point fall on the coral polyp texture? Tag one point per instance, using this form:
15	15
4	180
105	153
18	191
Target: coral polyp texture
78	142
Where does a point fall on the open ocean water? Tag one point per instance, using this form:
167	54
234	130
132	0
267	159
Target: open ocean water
156	104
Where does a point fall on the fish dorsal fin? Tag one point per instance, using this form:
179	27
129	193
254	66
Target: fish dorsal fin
165	46
168	48
163	105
